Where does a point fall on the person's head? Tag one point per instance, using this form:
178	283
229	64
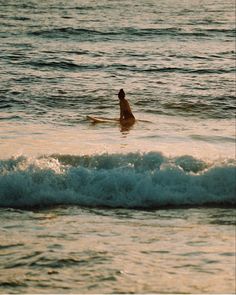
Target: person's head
121	94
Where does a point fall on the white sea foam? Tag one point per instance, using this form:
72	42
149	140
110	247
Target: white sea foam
133	180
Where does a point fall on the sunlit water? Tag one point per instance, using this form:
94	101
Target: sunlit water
99	208
100	251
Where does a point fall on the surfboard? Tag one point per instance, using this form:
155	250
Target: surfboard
110	120
102	119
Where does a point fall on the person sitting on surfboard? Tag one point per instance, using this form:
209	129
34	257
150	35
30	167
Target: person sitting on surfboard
125	110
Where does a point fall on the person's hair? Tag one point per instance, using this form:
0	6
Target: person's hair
121	92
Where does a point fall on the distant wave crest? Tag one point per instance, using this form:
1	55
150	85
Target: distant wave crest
129	33
135	180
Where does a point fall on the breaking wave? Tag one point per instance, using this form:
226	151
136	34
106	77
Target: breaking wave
135	180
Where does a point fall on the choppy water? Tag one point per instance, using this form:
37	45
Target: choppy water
63	60
60	61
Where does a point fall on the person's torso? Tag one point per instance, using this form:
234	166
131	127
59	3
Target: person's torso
126	110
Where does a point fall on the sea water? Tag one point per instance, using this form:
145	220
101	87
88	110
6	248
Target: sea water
103	208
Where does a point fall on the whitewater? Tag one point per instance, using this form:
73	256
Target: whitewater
146	181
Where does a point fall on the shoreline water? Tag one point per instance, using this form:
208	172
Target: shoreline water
81	250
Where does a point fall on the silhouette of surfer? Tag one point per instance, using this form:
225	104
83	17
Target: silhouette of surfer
126	116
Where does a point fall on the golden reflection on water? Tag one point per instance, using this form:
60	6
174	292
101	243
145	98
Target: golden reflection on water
174	251
171	136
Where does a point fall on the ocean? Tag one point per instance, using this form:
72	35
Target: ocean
104	208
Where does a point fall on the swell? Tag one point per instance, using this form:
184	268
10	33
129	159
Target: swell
145	181
129	32
73	66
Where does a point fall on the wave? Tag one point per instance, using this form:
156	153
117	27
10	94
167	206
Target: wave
128	33
189	70
230	31
70	65
57	64
135	180
66	31
203	108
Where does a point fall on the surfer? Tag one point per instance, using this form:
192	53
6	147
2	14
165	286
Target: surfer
126	115
126	119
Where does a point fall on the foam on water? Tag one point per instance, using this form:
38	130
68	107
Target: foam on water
134	180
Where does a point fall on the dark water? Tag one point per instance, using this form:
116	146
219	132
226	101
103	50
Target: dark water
63	60
100	208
